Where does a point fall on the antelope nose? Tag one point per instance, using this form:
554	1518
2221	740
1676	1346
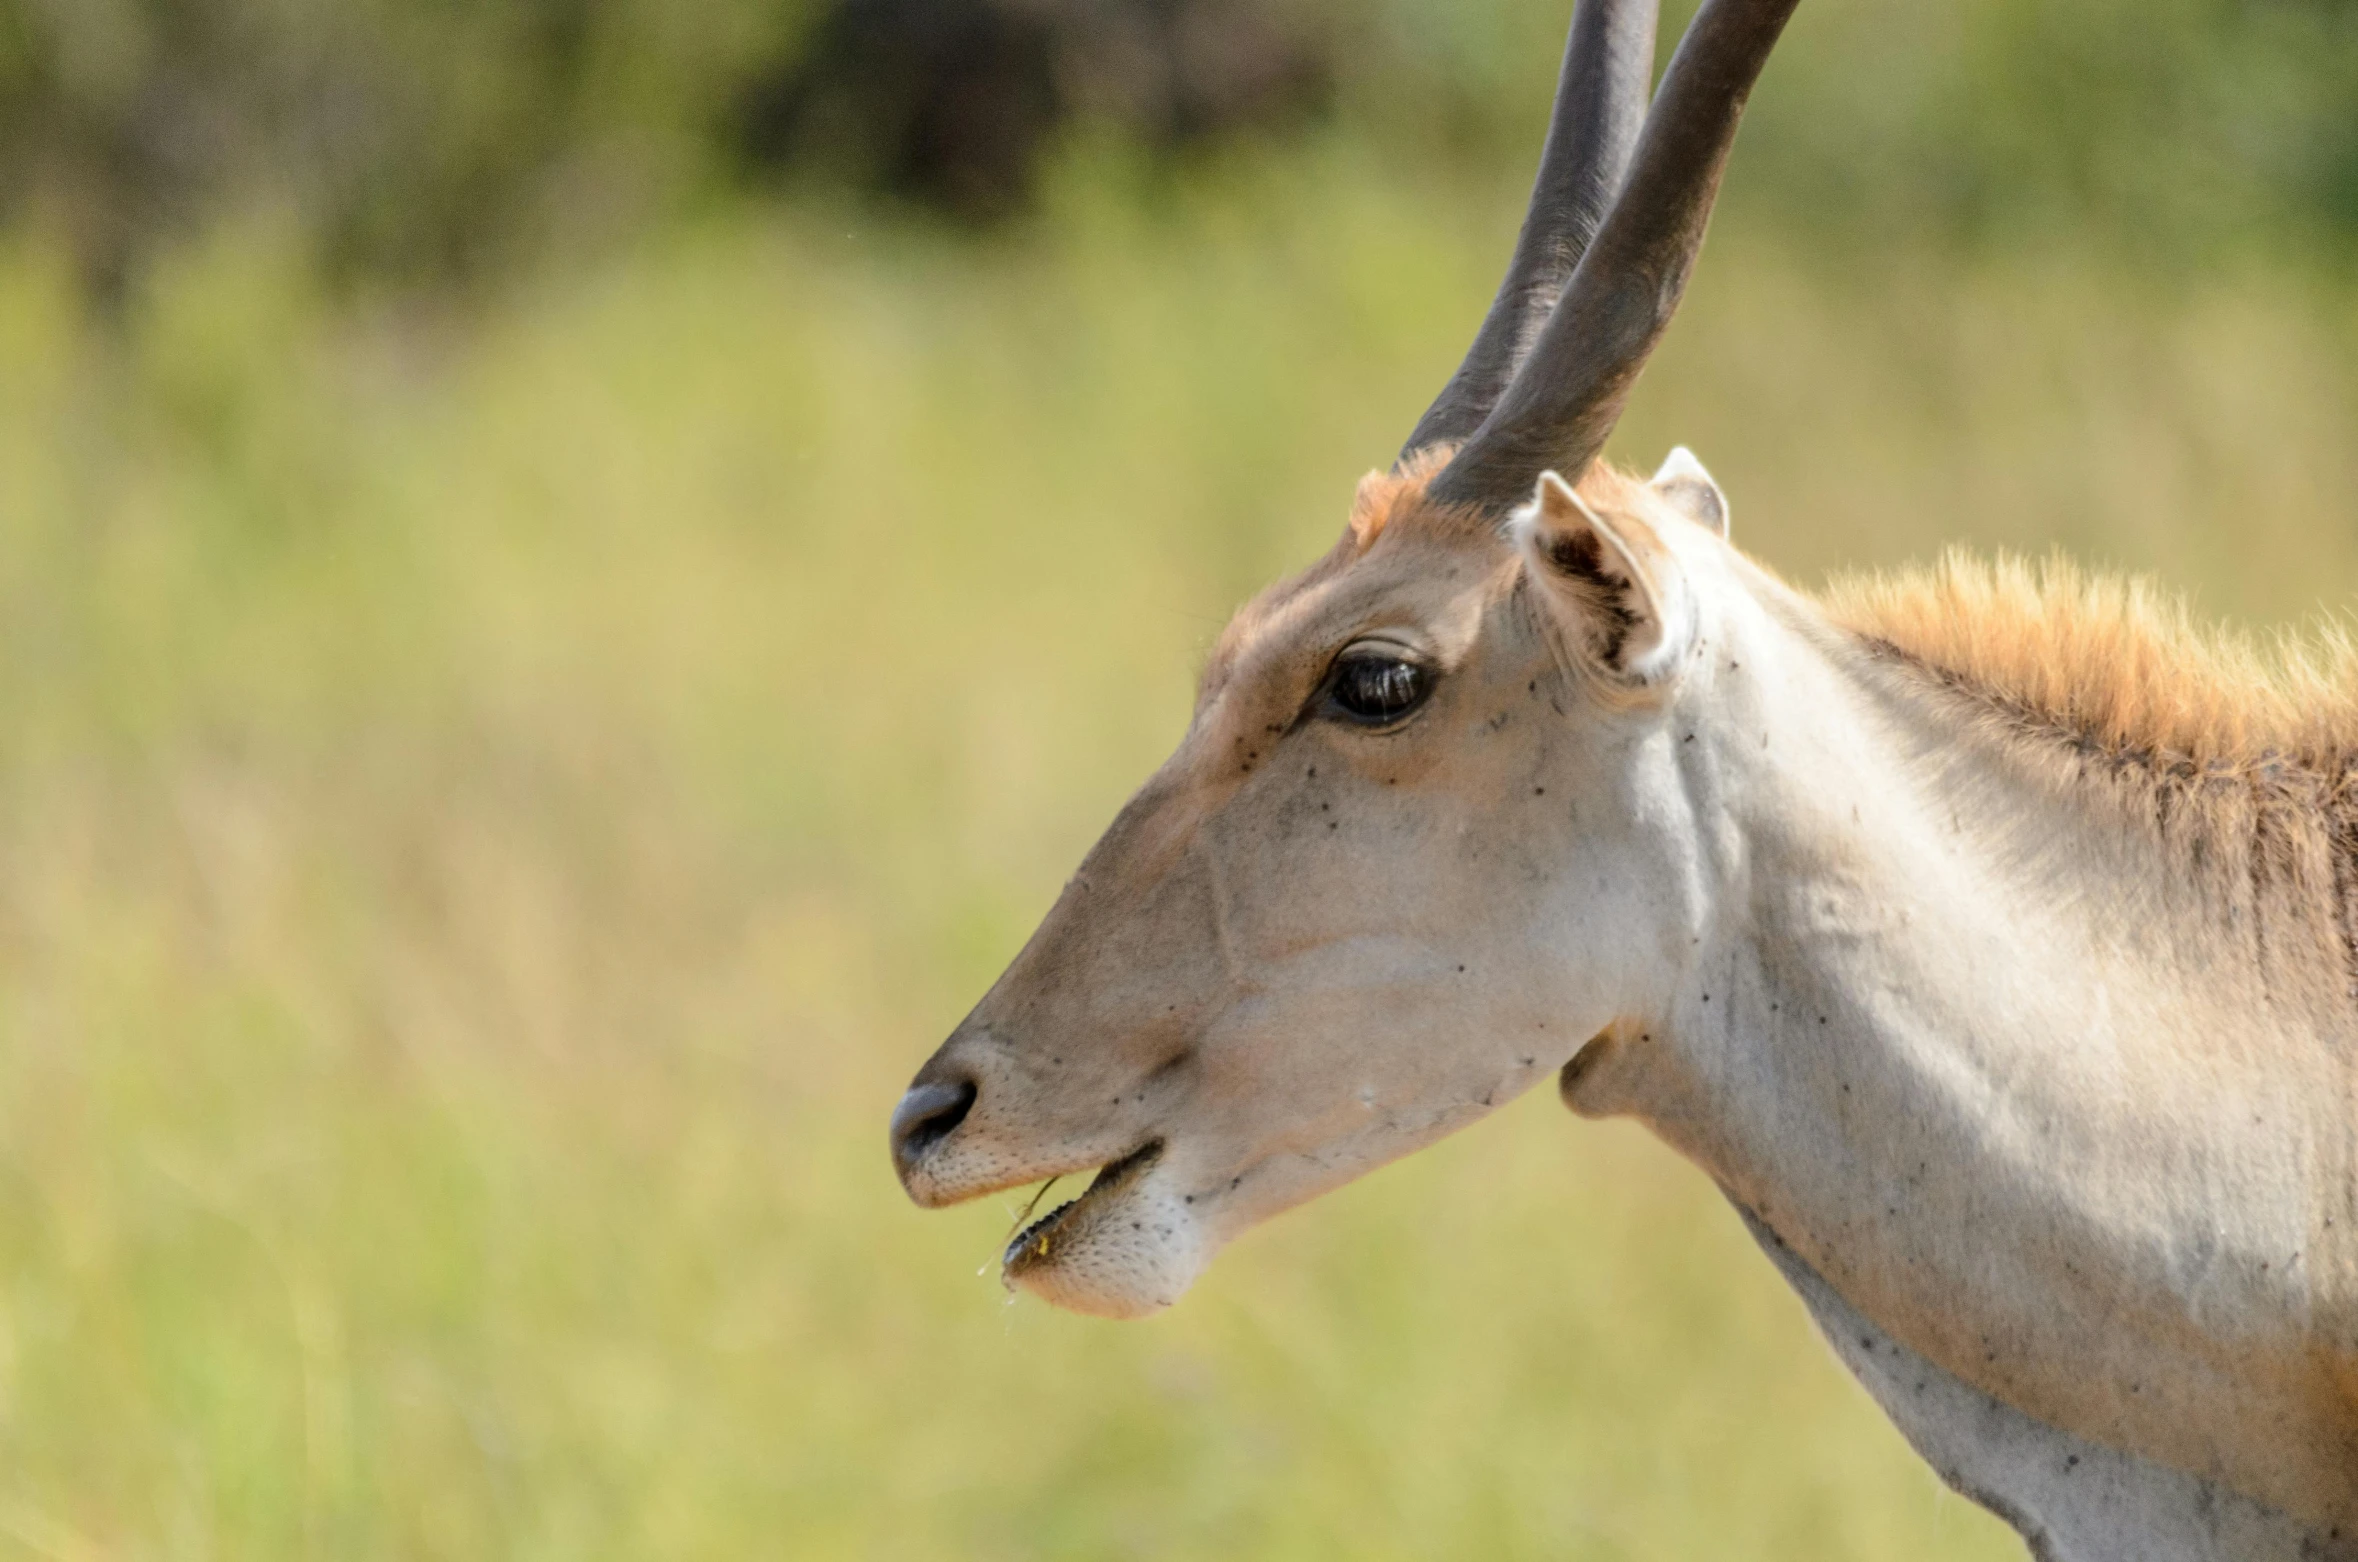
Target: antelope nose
928	1114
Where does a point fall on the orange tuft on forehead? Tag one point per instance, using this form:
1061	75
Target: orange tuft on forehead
1397	500
1384	495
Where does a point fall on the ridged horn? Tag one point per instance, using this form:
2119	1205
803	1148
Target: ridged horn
1569	390
1600	107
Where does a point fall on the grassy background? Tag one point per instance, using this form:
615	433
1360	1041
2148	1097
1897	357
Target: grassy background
495	805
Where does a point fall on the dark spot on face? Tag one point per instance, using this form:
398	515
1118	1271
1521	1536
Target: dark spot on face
1539	791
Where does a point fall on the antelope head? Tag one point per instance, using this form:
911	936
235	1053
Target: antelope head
1420	843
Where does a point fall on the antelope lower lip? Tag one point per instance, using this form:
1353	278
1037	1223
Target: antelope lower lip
1032	1246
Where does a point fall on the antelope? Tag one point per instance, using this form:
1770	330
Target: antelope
1989	935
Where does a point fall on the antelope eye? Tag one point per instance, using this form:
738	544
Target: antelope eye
1375	688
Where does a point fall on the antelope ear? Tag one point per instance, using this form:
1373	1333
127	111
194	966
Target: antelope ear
1687	488
1610	580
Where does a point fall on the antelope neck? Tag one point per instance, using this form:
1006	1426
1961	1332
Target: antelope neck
1964	1040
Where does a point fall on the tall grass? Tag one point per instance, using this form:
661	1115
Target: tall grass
492	810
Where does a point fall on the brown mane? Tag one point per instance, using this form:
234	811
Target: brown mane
2121	665
2241	754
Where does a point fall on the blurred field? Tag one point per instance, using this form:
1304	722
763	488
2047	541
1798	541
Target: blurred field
494	806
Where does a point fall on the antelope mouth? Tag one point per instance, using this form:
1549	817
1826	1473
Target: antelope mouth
1036	1244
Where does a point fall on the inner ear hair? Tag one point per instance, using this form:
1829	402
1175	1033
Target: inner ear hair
1582	554
1591	569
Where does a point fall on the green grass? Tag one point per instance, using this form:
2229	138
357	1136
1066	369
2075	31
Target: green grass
492	811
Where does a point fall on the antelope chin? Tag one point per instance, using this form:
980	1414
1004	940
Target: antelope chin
1127	1247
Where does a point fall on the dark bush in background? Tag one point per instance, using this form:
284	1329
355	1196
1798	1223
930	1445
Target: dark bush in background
955	101
429	138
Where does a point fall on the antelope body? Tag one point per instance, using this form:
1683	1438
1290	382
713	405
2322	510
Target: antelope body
1988	938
